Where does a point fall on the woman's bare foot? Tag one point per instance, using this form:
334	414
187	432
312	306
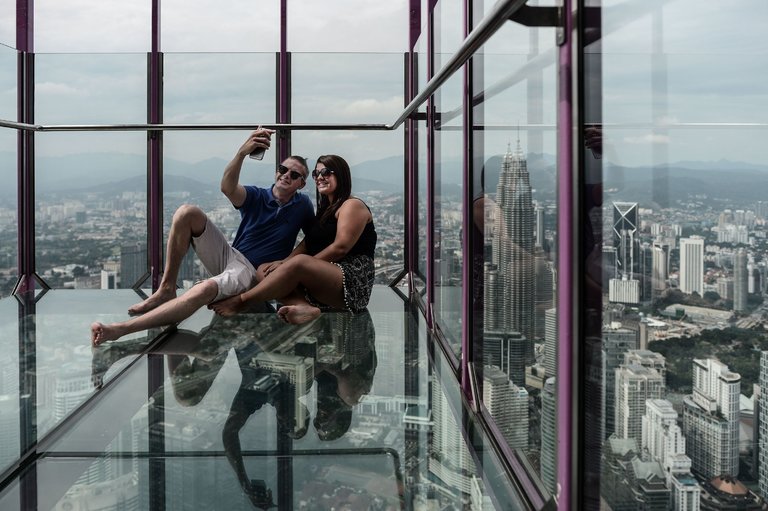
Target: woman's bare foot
158	298
298	314
101	333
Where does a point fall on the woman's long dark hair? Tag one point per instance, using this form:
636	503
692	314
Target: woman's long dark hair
340	168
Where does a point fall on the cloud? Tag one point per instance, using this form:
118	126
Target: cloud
649	138
57	89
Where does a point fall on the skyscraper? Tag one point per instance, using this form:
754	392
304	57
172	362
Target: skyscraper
616	343
692	265
513	248
550	342
549	436
740	281
711	419
133	264
763	426
508	405
660	267
625	223
545	287
665	443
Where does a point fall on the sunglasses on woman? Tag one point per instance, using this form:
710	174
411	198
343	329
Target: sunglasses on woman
282	169
322	172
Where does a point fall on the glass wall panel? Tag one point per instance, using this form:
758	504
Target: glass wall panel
448	150
348	25
347	87
213	88
10	405
675	164
421	208
91	209
211	26
514	240
9	229
218	88
90	89
95	26
8	23
8	84
447	237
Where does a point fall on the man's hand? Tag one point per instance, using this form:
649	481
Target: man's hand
261	138
272	267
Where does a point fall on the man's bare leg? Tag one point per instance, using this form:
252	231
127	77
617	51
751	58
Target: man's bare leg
188	221
173	311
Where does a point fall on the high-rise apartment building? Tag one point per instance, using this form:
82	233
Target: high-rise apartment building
508	405
660	266
133	264
711	419
548	458
616	342
692	265
762	421
664	442
740	281
635	385
550	342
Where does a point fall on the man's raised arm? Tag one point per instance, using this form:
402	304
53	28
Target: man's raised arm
230	181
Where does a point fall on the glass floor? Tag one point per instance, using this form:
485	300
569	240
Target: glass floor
347	412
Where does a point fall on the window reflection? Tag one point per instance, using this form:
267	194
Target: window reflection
676	407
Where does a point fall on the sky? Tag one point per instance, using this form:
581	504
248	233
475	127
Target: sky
662	63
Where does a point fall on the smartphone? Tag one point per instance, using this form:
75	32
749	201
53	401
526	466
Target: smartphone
258	154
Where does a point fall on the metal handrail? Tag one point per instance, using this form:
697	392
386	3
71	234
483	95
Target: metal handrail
492	21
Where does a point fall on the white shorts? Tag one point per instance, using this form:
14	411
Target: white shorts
232	272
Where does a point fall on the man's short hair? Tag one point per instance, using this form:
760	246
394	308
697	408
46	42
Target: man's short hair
303	162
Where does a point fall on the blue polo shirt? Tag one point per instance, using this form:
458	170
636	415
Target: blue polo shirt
268	230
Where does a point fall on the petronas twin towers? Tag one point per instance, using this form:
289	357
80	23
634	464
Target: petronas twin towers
513	252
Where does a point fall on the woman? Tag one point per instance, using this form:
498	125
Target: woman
332	267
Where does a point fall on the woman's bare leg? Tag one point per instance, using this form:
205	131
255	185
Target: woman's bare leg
321	278
188	221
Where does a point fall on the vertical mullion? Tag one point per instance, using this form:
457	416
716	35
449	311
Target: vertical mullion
567	388
430	276
466	217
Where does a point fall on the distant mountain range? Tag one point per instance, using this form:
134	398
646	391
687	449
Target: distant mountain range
651	185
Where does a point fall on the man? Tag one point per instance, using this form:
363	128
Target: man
271	219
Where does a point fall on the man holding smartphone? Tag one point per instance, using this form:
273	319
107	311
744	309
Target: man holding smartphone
270	221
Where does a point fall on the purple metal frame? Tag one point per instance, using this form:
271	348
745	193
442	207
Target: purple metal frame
411	150
466	217
25	158
155	152
430	284
283	85
566	387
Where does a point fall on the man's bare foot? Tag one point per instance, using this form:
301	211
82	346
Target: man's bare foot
158	298
101	333
298	314
228	307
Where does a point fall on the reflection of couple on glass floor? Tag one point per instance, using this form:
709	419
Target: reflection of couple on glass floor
338	349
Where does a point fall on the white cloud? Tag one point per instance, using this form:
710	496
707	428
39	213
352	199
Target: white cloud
649	138
56	89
